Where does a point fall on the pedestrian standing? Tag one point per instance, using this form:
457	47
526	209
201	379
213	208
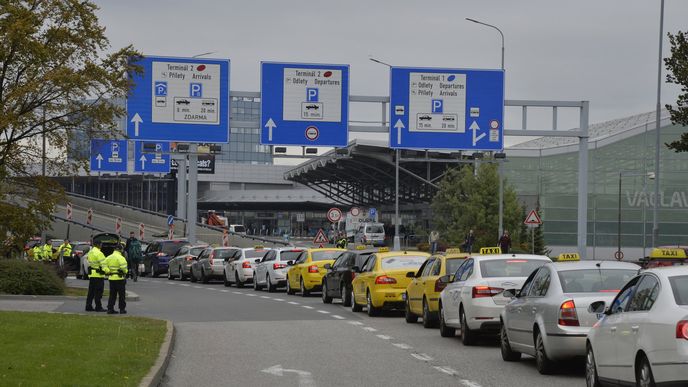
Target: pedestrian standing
96	279
115	267
134	256
47	252
504	242
433	239
37	253
469	241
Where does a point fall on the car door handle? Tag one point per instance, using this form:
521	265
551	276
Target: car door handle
635	328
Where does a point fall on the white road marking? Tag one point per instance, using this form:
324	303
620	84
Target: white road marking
278	299
323	312
307	307
402	346
266	297
469	383
293	303
305	377
185	285
249	294
338	317
422	356
355	323
237	292
198	287
385	337
224	291
369	329
446	370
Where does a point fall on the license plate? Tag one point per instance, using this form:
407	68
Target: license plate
403	296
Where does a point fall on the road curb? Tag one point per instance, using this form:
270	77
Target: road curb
131	296
156	373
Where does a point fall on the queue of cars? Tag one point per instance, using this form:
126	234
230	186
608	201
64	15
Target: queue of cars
628	324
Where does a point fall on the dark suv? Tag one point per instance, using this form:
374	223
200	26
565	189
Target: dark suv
157	256
337	281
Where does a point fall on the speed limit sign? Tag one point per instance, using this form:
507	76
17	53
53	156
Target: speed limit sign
334	215
619	255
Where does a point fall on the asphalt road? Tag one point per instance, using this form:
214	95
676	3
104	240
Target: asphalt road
232	337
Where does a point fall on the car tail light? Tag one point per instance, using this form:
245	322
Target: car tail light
279	265
161	254
313	269
439	285
385	280
682	330
246	265
568	315
484	291
189	258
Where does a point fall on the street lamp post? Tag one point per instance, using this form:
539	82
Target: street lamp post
655	207
499	165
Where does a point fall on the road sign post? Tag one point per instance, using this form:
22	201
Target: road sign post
320	238
180	99
334	215
142	231
225	238
170	232
69	211
304	104
432	108
532	221
118	225
108	155
89	216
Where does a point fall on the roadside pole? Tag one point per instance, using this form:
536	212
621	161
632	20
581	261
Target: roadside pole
192	206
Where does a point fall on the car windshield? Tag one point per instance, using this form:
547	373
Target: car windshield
239	229
253	253
453	264
594	280
679	285
375	229
403	262
82	247
512	267
325	255
171	248
223	253
196	250
290	255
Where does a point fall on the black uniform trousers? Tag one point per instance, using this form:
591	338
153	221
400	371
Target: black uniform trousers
117	291
95	293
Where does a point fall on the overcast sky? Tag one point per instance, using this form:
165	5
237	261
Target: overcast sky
604	51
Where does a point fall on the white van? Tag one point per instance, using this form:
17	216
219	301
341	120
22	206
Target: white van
237	229
370	234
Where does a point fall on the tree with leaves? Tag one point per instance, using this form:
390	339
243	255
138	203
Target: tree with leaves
677	65
58	78
468	200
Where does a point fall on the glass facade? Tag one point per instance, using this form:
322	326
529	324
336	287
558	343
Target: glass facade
552	181
244	142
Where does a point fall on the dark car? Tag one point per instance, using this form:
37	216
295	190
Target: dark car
158	254
337	281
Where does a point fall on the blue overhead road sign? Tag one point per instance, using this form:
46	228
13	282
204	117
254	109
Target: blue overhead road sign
304	104
433	108
154	160
180	99
108	155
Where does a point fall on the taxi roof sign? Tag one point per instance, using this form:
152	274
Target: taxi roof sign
568	257
454	250
360	247
490	250
670	253
383	250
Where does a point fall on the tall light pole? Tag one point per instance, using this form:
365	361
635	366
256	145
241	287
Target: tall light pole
500	230
655	207
397	219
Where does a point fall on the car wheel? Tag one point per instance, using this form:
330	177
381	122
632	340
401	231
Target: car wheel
302	288
428	319
225	281
239	283
445	331
591	378
346	295
182	277
193	276
408	315
507	353
290	291
256	287
354	306
372	311
544	365
326	299
467	336
271	288
643	374
204	277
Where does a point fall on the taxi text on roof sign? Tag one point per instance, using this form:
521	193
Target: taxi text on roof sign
668	253
383	250
360	247
490	250
568	257
454	250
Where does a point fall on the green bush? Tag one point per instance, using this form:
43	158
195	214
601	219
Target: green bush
22	277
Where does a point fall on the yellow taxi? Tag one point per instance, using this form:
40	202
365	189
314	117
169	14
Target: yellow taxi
382	281
423	293
305	274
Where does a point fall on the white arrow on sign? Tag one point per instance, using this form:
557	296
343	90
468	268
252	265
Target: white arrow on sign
100	159
305	377
143	162
399	126
270	125
136	120
474	127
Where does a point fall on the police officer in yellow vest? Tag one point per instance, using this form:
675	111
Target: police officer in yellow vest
37	252
115	267
47	252
96	279
65	249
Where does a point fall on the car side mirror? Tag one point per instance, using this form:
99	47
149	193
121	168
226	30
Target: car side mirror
445	279
290	263
597	307
356	269
511	293
257	260
226	259
327	266
410	274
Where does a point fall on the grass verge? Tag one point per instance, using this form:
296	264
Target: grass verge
63	349
81	292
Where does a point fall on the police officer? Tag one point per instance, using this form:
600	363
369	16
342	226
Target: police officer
96	279
115	267
65	249
47	252
37	252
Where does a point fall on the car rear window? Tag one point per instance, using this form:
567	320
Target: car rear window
253	253
595	280
196	250
512	267
325	255
679	285
290	255
375	230
403	262
171	248
453	264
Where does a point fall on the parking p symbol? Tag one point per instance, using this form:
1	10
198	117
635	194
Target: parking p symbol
311	94
196	90
437	106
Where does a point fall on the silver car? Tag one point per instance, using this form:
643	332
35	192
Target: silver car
239	267
180	264
271	271
210	264
548	317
